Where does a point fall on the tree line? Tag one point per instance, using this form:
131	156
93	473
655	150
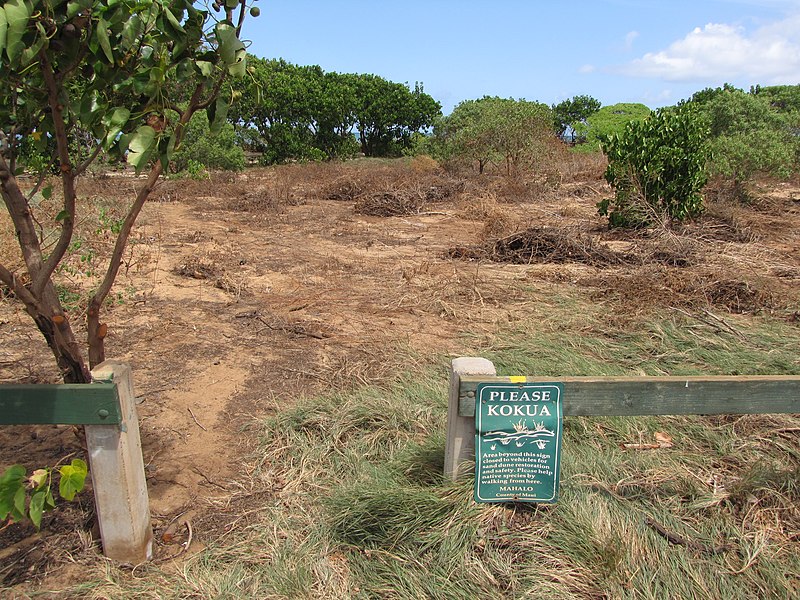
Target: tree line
290	112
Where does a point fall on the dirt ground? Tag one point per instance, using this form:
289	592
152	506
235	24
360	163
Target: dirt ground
244	292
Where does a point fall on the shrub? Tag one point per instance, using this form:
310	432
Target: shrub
201	147
657	168
749	136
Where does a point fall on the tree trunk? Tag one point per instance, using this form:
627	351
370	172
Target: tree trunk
40	297
62	343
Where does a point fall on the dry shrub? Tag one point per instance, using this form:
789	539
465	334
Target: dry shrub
580	166
440	188
478	206
424	164
739	297
498	223
391	188
355	178
498	220
345	188
9	248
583	189
390	204
195	267
261	201
401	194
659	285
543	245
672	251
527	188
722	222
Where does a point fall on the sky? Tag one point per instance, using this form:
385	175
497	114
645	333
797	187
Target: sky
653	52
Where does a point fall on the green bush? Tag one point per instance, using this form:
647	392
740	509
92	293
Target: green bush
495	130
657	168
749	136
607	121
201	147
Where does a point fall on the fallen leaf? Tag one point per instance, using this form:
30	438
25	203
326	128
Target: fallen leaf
664	440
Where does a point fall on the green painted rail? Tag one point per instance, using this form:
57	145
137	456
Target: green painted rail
631	396
65	404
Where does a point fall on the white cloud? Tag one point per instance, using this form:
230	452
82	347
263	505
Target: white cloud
770	54
630	37
587	69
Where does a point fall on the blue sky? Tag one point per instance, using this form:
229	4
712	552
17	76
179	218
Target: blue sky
654	52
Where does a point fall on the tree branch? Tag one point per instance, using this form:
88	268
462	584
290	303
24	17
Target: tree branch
20	291
36	187
85	164
41	278
22	218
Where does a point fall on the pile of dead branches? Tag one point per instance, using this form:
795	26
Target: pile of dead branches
395	203
393	196
543	245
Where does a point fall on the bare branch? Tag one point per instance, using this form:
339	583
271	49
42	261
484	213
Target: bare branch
85	164
242	9
41	278
36	187
15	285
122	238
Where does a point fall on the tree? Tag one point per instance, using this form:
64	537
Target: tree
279	100
749	135
114	70
495	129
304	112
335	116
387	113
783	98
569	114
464	134
657	167
708	94
607	121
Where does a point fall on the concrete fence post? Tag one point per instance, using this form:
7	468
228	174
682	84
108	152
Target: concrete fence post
118	479
460	446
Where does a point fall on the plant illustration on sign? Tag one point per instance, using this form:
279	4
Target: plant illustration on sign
522	434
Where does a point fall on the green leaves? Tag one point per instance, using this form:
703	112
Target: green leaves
12	493
232	51
73	477
41	497
76	6
114	122
3	29
141	146
14	485
217	115
122	62
17	14
657	168
103	40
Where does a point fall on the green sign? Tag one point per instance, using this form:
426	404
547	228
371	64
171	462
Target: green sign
518	441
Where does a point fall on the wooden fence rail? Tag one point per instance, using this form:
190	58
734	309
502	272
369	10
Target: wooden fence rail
617	396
